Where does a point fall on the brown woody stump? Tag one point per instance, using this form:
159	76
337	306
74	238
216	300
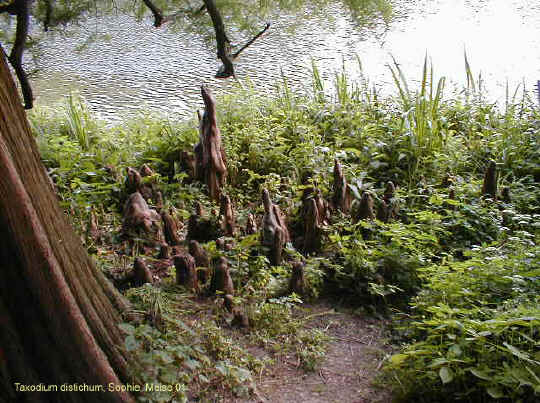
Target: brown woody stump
297	283
505	195
133	180
365	208
201	260
221	279
200	228
227	216
251	225
240	319
141	273
383	212
489	187
186	274
388	209
164	251
170	229
312	226
188	165
341	198
274	231
92	230
138	217
210	160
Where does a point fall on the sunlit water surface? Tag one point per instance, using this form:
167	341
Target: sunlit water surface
161	70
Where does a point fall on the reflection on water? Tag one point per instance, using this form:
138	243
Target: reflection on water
160	70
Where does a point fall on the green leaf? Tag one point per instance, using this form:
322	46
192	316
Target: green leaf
446	375
495	392
518	353
455	350
480	374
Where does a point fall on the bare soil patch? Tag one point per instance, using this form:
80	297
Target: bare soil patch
346	374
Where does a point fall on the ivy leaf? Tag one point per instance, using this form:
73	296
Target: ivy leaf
446	375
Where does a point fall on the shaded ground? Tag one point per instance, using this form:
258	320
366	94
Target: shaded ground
352	361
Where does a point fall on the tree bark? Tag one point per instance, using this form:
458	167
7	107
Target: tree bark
58	313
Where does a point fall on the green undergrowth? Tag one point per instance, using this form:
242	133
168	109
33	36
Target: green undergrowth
457	271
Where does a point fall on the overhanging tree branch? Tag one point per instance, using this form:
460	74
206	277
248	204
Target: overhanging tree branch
224	52
248	43
160	19
21	9
222	41
158	14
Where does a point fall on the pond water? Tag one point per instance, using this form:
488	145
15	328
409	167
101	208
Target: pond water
160	70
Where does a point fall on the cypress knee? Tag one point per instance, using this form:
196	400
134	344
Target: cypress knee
92	230
210	158
365	209
141	273
170	229
185	271
221	279
341	197
273	235
312	230
201	259
297	283
227	216
251	225
138	216
489	187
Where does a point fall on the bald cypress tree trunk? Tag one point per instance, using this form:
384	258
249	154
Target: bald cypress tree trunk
58	313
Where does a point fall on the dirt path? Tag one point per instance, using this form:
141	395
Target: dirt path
352	361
